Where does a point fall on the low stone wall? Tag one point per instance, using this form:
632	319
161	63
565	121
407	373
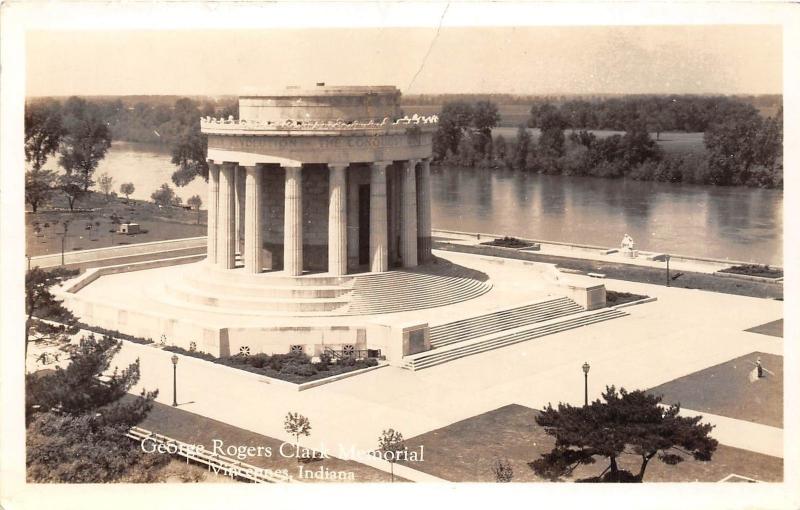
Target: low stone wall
128	253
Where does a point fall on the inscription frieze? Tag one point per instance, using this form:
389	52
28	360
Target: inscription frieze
259	143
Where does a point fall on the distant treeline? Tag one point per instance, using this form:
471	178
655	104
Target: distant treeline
741	146
154	119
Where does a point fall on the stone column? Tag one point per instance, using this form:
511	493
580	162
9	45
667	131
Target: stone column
337	220
252	220
213	211
424	211
378	249
293	221
240	197
408	214
353	182
226	222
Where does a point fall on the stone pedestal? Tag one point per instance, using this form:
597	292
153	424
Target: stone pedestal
226	255
378	245
293	222
253	220
408	218
213	211
337	220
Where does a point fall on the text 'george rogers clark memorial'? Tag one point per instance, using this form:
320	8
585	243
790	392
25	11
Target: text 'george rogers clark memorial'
319	239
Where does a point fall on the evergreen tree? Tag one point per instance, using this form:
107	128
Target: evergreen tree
623	424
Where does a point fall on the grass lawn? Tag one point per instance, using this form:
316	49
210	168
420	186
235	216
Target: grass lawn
161	224
727	390
466	450
774	328
631	273
195	429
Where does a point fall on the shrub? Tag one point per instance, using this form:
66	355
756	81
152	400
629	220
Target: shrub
195	354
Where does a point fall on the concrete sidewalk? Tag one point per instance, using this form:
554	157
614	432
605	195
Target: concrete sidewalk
743	434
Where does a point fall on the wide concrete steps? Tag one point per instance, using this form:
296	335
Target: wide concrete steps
505	338
501	320
400	291
279	299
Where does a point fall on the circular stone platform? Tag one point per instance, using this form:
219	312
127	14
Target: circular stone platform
205	287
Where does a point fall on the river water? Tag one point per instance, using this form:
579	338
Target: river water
704	221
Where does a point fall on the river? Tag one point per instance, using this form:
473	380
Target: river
704	221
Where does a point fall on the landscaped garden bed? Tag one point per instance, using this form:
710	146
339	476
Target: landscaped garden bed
755	270
293	367
614	298
509	242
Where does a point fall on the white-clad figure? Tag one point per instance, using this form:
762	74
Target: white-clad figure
628	247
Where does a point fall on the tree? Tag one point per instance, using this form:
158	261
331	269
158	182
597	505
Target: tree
43	132
503	472
195	202
500	148
39	186
551	123
87	139
454	119
297	425
127	189
485	116
625	424
522	147
106	183
72	186
190	147
77	417
392	445
638	145
40	302
164	196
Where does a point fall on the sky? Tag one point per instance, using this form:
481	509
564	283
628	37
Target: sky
517	60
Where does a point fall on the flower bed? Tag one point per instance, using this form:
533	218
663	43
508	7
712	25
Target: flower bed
508	242
614	298
294	367
755	270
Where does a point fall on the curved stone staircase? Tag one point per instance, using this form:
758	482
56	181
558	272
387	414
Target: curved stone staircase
404	290
207	289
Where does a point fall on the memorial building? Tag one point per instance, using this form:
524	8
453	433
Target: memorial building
332	179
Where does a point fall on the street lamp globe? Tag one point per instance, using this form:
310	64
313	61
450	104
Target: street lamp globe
586	368
174	359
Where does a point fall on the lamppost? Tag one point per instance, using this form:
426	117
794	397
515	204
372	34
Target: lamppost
666	257
586	368
64	239
174	380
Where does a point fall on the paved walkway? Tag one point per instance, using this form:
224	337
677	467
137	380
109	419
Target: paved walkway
594	253
743	434
680	333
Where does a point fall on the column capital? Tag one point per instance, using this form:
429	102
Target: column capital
381	164
331	166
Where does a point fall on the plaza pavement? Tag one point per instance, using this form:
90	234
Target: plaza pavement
680	333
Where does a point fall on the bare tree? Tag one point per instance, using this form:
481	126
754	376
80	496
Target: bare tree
105	182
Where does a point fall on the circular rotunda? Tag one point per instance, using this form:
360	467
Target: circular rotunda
329	180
